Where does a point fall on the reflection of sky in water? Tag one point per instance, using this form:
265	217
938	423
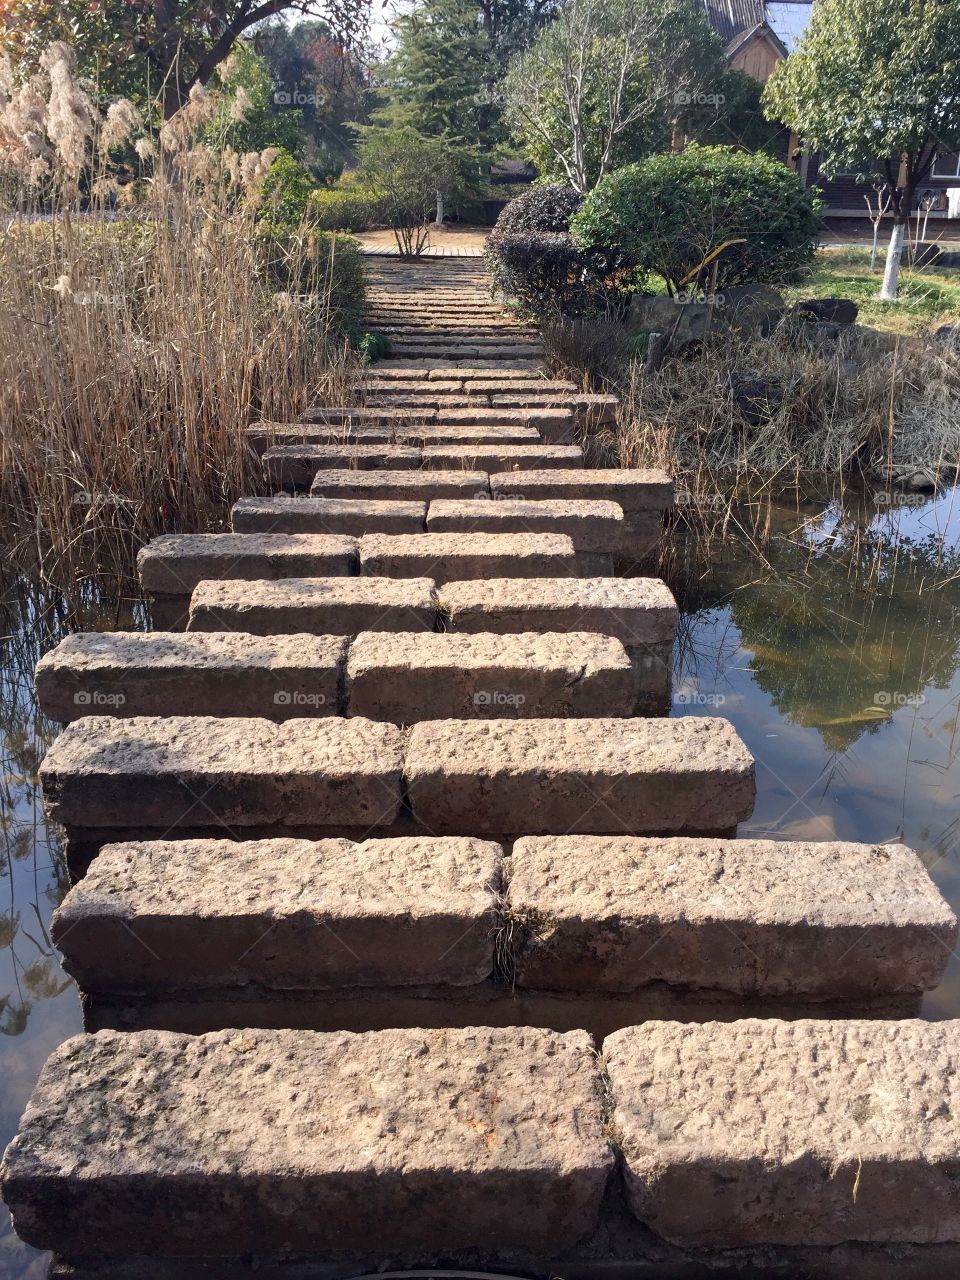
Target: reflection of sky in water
801	650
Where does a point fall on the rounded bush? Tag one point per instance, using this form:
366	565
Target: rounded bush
348	208
539	209
666	214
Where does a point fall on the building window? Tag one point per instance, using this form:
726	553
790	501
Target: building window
947	166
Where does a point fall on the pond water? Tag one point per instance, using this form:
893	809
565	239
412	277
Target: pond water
832	642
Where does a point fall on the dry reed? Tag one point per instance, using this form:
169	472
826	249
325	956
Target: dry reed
143	324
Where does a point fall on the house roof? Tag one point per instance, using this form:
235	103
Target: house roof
737	22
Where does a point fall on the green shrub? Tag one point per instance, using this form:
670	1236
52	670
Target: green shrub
349	208
373	347
532	257
286	192
667	213
548	208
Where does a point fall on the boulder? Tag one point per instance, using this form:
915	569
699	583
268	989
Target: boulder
833	310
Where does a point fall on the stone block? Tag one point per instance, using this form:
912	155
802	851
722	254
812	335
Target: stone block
805	1133
160	674
633	489
446	556
497	457
400	486
315	606
591	526
164	772
603	776
176	915
293	466
411	677
298	1142
352	517
826	921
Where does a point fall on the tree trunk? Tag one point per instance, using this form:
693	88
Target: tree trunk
439	206
891	272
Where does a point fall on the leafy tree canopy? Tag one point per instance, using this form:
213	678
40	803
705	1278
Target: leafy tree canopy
875	78
154	47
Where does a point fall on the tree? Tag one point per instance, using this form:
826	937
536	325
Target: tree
604	82
407	173
436	78
173	44
322	82
876	82
247	118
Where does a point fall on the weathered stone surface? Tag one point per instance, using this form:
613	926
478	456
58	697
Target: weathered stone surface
176	771
495	457
174	563
634	490
280	1142
411	677
543	777
350	516
637	611
517	416
822	921
391	486
315	606
293	466
161	674
432	433
796	1133
446	556
260	436
180	914
591	526
366	415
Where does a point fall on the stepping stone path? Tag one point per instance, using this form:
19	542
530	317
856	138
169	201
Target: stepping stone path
391	784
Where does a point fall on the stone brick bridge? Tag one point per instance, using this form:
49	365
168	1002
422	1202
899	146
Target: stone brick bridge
413	932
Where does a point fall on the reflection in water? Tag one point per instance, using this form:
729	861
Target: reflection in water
833	645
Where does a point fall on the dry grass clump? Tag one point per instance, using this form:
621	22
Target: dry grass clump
859	405
148	310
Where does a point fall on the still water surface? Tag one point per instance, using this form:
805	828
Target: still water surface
832	643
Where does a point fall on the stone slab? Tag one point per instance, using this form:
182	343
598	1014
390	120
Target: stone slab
164	772
174	563
640	612
261	436
754	917
432	433
497	457
287	1142
519	415
411	677
173	915
155	673
352	517
633	489
293	466
813	1132
446	556
605	776
315	606
394	486
361	415
591	526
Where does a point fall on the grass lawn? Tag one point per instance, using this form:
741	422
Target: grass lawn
928	297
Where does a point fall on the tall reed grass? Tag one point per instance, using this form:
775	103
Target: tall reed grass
149	308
